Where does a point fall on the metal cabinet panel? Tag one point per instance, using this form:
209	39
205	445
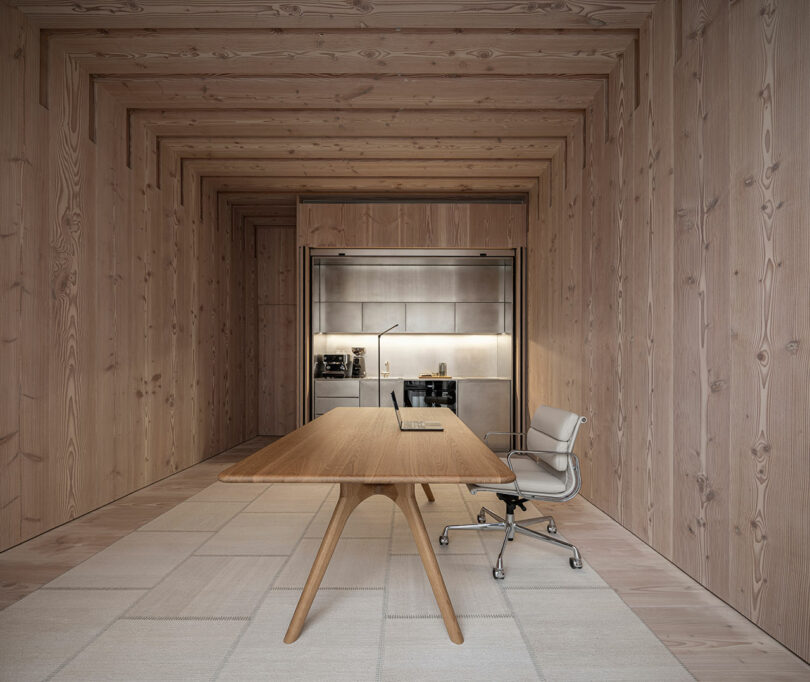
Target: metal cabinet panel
325	404
412	283
486	405
437	318
378	317
337	388
479	318
368	392
341	317
316	317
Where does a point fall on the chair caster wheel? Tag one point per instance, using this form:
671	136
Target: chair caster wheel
498	573
444	540
482	518
574	563
552	529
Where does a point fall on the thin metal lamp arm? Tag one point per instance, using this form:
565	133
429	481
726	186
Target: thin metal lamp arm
379	372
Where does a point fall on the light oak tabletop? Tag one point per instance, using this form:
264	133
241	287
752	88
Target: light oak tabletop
365	445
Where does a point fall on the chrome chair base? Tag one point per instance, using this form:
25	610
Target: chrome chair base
510	527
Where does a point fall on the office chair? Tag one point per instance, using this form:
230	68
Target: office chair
548	470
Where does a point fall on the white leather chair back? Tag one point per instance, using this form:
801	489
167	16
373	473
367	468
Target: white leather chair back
553	430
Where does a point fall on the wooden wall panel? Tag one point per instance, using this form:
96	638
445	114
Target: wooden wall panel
275	250
277	369
437	225
35	293
698	434
98	303
277	374
12	113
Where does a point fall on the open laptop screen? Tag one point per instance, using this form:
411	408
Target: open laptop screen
396	408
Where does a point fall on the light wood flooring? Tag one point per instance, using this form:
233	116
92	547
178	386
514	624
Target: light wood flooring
712	640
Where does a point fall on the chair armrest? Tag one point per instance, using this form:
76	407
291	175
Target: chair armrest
573	461
502	433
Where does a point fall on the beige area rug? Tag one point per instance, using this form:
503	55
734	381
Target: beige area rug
206	591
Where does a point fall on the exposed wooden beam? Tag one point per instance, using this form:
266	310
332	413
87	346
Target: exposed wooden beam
428	92
357	122
364	147
258	53
315	14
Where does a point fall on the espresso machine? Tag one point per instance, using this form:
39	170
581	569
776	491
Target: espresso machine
335	365
358	363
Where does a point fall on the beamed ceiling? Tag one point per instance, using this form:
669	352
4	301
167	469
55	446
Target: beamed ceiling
249	98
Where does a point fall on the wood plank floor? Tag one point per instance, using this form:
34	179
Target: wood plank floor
712	640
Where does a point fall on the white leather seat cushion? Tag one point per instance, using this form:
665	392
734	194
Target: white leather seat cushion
531	477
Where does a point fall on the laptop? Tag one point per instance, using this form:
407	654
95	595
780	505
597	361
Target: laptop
414	426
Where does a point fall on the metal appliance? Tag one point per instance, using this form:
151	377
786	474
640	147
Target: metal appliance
358	363
419	393
318	366
335	365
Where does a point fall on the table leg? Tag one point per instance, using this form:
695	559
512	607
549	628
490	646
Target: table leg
350	496
428	492
406	500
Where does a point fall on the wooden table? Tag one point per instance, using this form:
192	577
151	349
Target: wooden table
364	450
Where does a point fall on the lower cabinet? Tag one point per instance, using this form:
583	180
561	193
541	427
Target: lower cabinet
486	405
368	392
331	393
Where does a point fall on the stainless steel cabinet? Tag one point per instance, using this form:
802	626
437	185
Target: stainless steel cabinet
380	316
486	405
368	392
479	318
341	317
438	318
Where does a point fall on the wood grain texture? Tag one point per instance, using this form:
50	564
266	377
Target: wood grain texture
352	494
327	450
275	250
705	226
345	52
439	225
380	92
359	123
313	15
277	375
12	113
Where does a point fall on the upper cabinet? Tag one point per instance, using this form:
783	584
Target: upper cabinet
433	294
479	318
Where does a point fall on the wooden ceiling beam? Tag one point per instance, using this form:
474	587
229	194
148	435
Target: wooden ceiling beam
363	147
426	185
357	123
258	53
428	92
363	168
315	14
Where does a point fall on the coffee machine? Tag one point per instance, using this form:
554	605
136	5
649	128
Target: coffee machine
358	363
335	365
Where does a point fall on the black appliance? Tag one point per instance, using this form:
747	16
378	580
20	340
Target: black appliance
430	393
335	365
358	363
